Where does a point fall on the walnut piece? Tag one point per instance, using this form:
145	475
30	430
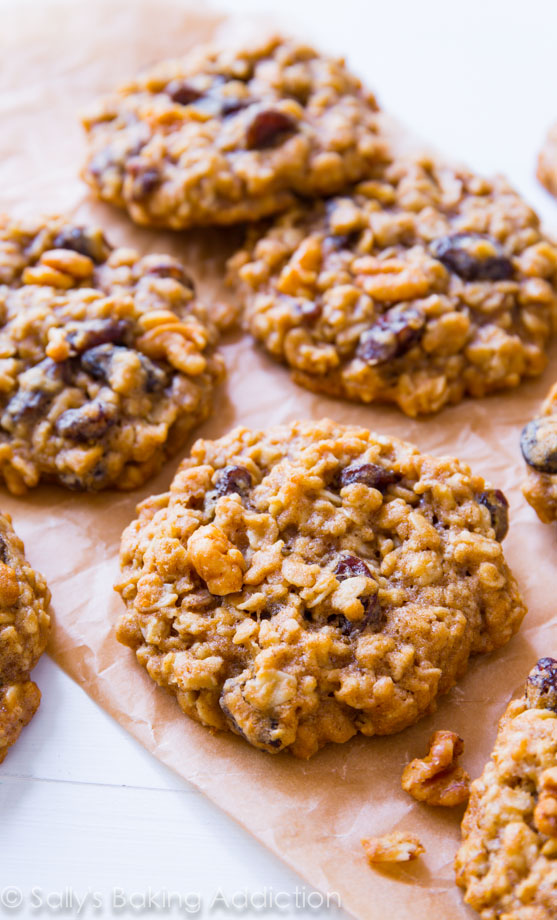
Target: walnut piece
216	560
438	779
395	847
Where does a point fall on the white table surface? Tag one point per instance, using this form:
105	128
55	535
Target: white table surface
84	810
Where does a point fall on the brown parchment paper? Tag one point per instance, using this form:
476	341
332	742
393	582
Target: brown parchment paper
55	57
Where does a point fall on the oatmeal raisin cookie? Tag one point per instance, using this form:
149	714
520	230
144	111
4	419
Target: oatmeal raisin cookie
24	627
423	285
300	584
507	863
223	136
106	358
539	448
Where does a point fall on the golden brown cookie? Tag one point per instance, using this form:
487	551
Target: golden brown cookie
300	584
423	285
507	863
538	443
24	627
106	358
225	135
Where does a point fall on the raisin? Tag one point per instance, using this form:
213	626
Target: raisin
351	567
91	243
456	252
98	362
496	503
182	92
538	443
391	336
268	127
541	686
95	332
145	178
234	479
370	474
27	403
171	268
4	555
87	423
155	377
231	104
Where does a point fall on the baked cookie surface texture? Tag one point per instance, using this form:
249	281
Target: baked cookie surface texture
424	285
301	584
507	863
24	627
106	358
223	136
538	443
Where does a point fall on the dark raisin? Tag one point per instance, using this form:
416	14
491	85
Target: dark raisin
459	253
88	423
231	104
182	92
91	243
171	268
145	178
370	474
496	503
541	686
234	479
4	556
268	127
391	337
95	332
351	567
98	361
155	377
28	402
538	443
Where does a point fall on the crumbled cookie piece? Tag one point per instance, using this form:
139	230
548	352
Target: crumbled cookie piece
24	628
392	848
223	136
421	286
507	863
438	778
106	358
300	584
538	443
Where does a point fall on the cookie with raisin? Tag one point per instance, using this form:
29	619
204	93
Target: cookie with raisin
507	864
24	629
538	443
423	285
107	358
227	135
301	584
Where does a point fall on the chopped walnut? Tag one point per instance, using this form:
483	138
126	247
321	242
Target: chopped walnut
437	779
545	814
395	847
216	560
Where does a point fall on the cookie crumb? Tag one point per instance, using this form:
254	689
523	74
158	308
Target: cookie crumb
396	847
438	779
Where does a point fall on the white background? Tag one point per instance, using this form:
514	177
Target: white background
82	806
